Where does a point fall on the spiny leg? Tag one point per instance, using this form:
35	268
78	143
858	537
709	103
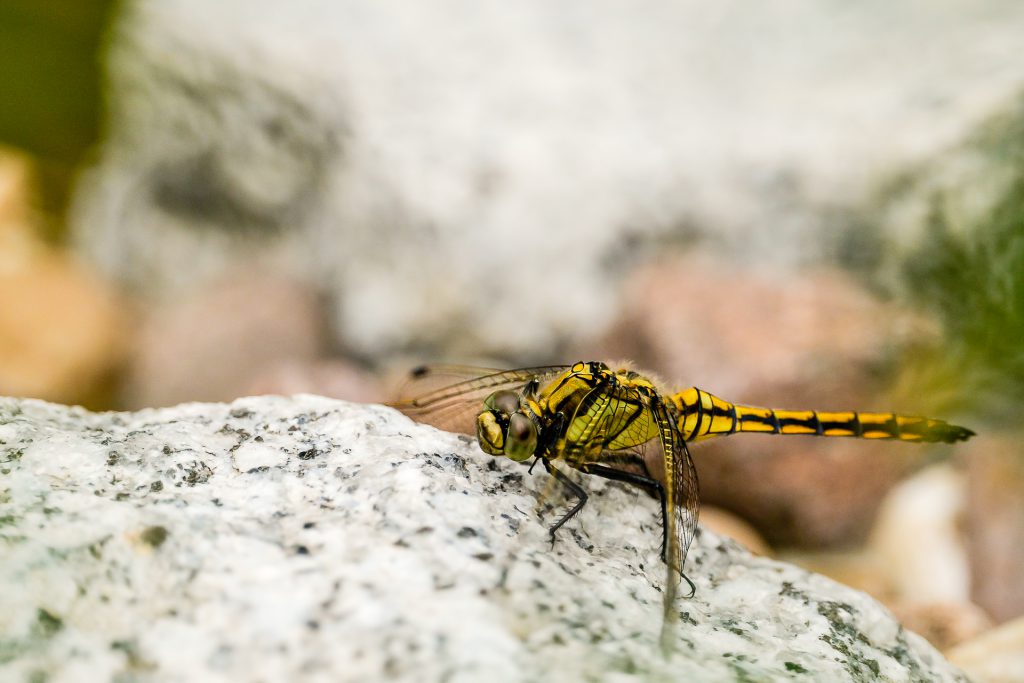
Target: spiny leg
550	435
637	480
574	488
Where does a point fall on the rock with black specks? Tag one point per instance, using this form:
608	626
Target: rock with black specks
306	538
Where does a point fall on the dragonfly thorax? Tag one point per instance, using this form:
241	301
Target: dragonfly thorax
508	427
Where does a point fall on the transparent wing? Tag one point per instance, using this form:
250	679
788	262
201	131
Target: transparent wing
606	419
686	494
634	427
634	449
682	498
450	396
589	424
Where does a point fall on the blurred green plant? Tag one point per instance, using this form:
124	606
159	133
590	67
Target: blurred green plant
50	84
973	281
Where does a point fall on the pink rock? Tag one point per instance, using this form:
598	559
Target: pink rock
802	491
334	377
212	345
943	624
995	523
750	335
726	523
995	656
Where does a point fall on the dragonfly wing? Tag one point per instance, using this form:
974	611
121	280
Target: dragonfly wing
608	418
686	492
587	428
683	501
451	396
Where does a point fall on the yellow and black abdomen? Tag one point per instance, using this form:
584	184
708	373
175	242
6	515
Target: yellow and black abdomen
703	415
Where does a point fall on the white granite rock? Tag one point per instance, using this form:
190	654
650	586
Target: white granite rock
279	539
448	167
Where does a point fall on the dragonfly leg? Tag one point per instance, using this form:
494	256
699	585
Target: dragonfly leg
550	434
574	488
693	587
647	483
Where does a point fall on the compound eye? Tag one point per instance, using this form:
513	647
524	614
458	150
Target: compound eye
504	401
522	437
490	434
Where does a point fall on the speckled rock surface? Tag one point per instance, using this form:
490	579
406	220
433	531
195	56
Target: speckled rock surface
309	539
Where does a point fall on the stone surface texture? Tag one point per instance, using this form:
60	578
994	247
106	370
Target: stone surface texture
444	178
306	538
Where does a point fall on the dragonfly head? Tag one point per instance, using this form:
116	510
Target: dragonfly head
506	427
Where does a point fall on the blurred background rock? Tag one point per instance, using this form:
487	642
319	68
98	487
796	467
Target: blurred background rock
809	205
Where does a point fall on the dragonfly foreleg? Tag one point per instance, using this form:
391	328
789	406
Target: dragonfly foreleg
652	485
550	434
574	488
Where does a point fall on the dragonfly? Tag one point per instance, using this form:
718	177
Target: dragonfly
607	420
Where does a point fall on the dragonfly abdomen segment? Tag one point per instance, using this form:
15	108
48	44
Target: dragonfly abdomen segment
703	416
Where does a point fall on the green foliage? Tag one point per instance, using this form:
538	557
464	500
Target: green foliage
50	75
50	81
972	278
